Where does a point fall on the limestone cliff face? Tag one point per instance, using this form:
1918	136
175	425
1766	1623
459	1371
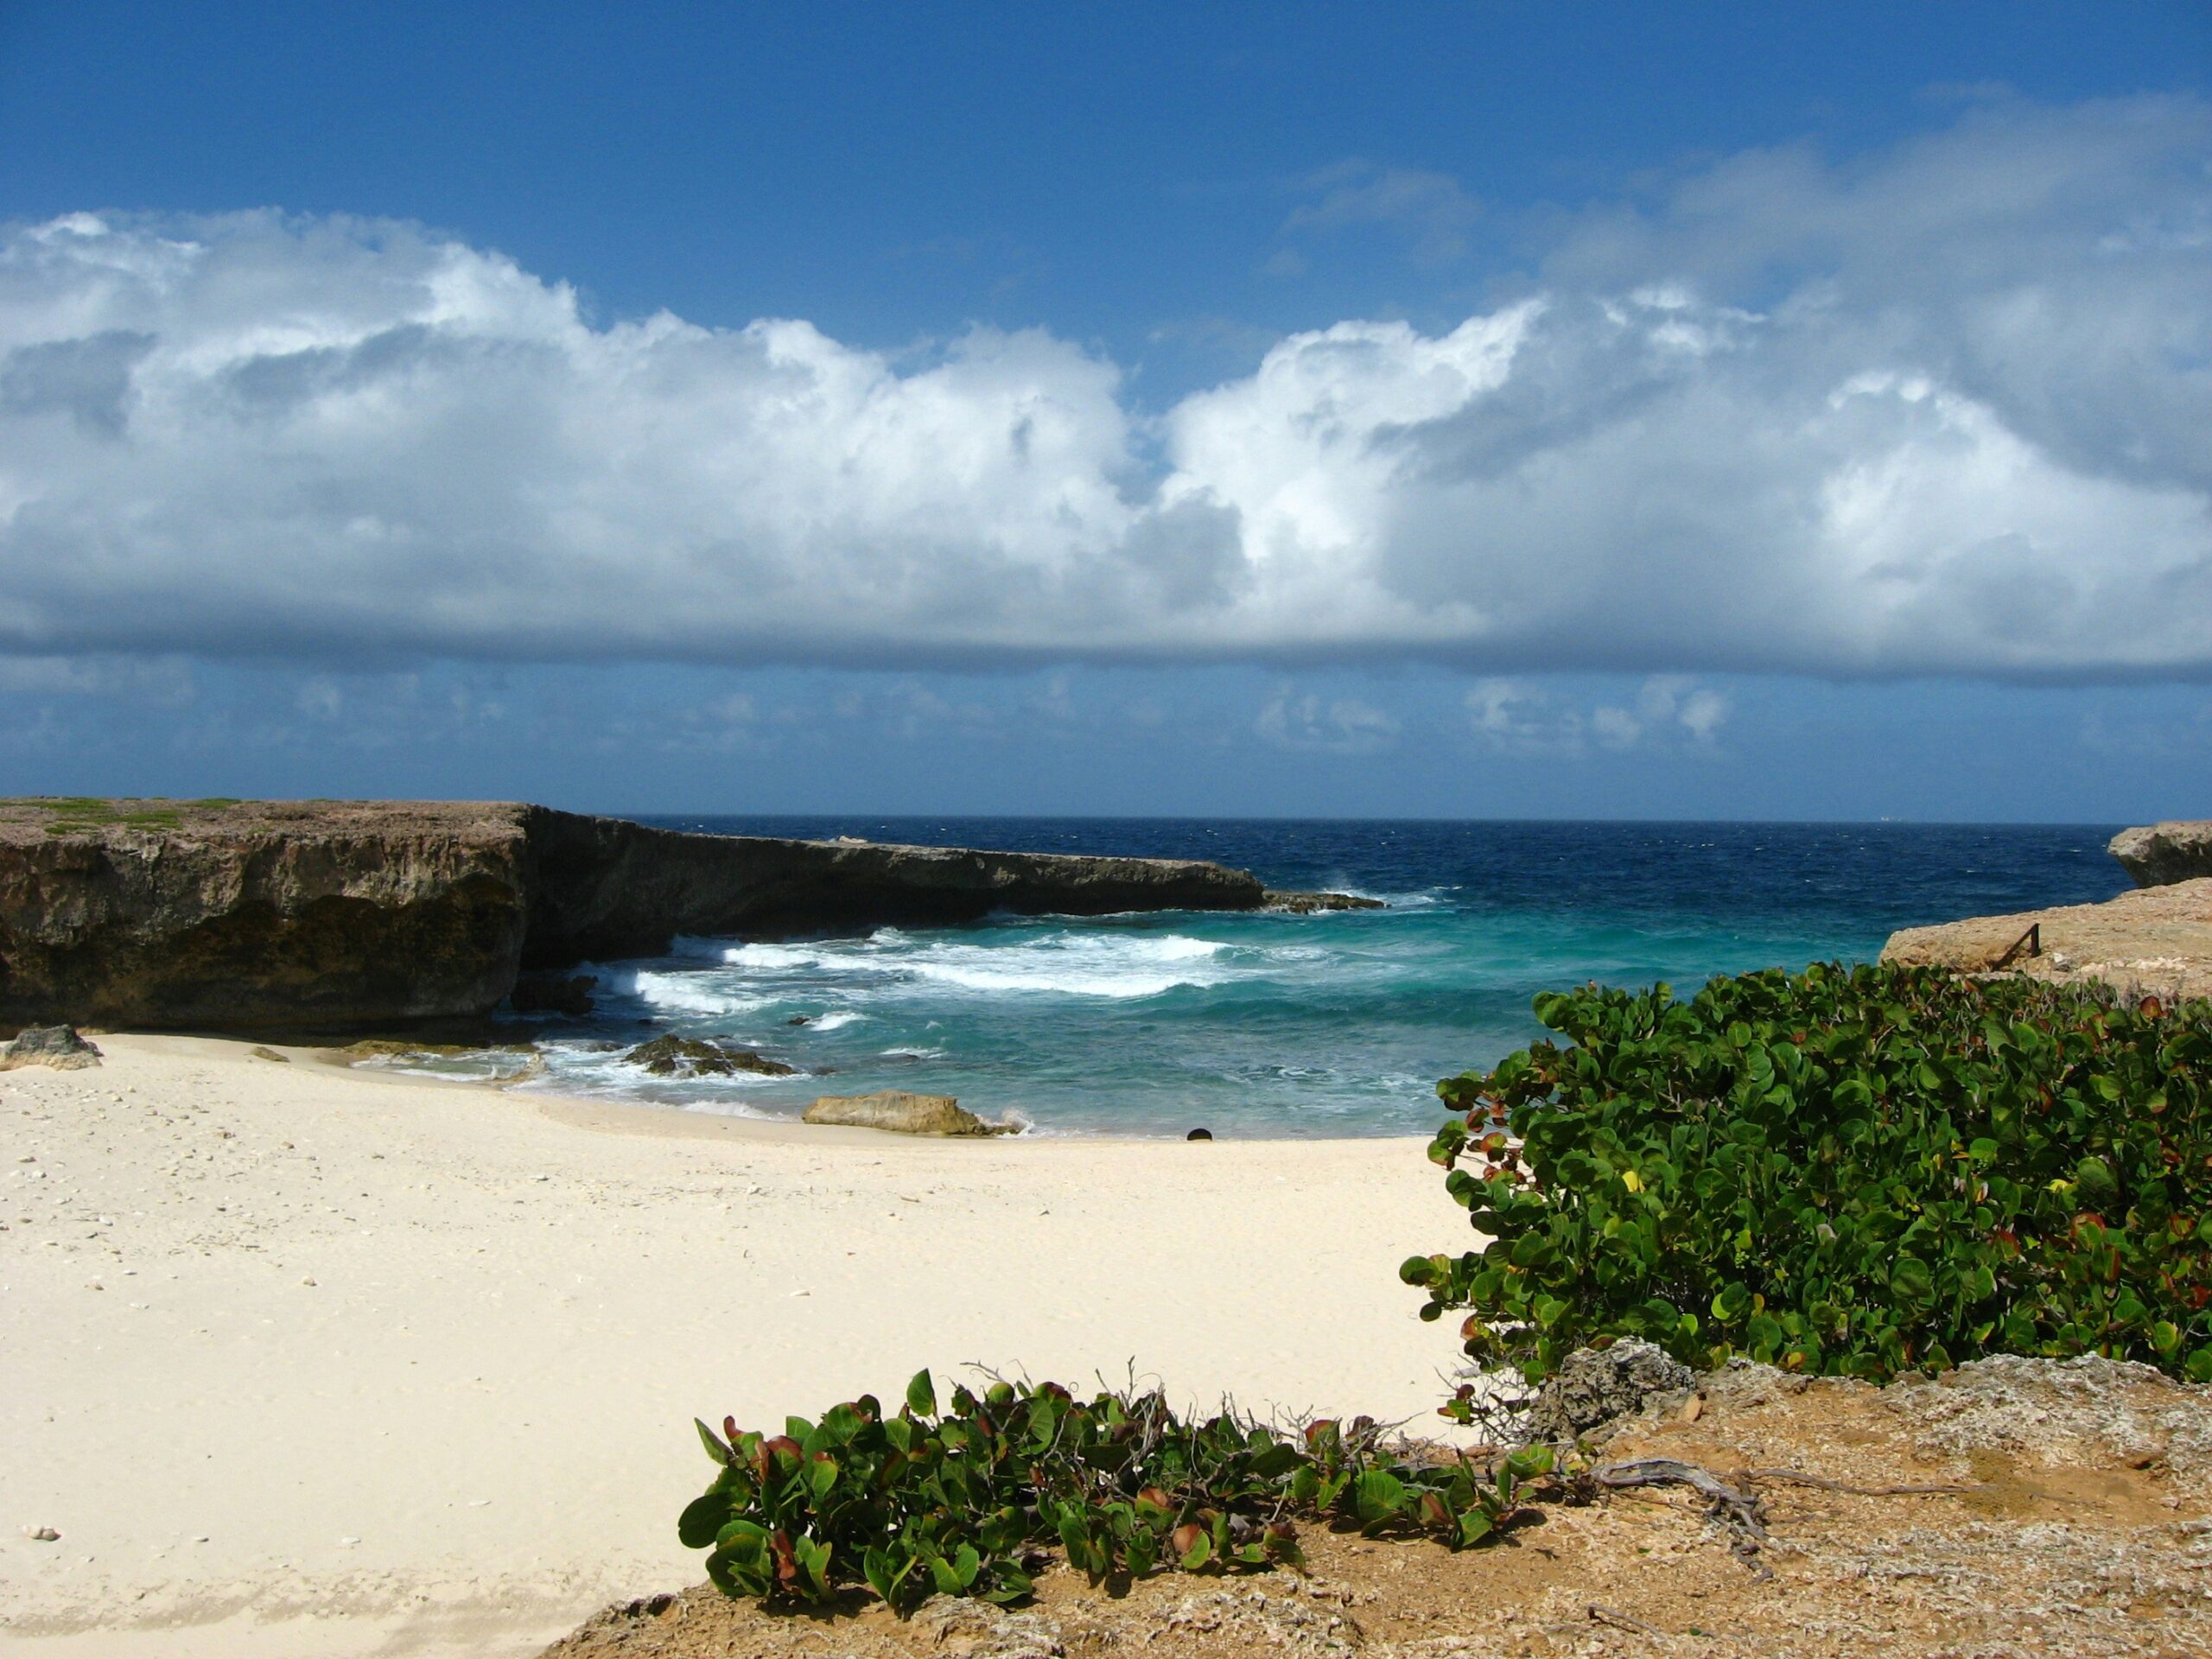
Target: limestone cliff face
155	915
2160	853
259	915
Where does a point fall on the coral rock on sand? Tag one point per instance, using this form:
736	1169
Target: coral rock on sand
687	1056
905	1113
1595	1386
59	1046
2158	854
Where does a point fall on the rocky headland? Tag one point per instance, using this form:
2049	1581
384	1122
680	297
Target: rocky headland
2153	941
2158	854
267	915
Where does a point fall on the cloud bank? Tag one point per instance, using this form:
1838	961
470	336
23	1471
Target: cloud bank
1944	411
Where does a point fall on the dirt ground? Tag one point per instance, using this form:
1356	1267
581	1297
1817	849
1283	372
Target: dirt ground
2083	1526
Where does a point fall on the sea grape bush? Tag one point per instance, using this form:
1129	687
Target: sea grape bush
960	1502
1856	1170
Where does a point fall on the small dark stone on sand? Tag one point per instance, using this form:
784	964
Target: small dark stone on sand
1199	1135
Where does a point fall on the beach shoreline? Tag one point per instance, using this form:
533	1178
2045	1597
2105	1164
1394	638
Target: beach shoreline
310	1360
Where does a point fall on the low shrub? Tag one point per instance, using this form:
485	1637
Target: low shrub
959	1502
1849	1170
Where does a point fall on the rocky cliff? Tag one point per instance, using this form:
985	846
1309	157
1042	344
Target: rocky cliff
605	887
2153	941
2161	853
229	915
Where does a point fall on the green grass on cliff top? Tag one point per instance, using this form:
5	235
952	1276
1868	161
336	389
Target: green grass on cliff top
91	812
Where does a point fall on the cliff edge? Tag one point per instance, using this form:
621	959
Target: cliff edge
2158	854
218	915
2153	941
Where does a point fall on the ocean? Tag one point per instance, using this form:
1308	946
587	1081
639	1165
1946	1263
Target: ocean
1286	1026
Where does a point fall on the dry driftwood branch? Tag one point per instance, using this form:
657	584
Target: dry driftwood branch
1741	1507
1800	1478
1604	1615
1740	1511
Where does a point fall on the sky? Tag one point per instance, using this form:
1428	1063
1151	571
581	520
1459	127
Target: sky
1473	410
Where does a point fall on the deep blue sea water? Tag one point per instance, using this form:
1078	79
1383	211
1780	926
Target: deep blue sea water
1266	1025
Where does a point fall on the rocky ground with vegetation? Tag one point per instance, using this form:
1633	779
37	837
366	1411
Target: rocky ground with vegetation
2011	1507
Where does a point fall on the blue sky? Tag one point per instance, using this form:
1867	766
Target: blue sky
1481	409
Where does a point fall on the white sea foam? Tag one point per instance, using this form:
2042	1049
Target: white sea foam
770	957
692	992
1065	963
1070	964
838	1019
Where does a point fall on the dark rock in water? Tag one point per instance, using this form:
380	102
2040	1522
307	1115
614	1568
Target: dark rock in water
59	1046
1593	1386
332	914
903	1114
1199	1135
2160	854
799	1019
553	993
687	1056
1306	904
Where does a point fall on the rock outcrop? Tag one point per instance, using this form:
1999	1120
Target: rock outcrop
1595	1386
279	914
604	888
2153	941
902	1113
2158	854
58	1047
1308	904
687	1057
334	914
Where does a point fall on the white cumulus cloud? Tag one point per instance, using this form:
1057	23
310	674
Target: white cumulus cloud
1943	411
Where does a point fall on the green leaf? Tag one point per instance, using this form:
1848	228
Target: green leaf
712	1441
921	1395
702	1519
1377	1497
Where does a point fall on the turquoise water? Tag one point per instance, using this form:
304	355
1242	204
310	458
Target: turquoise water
1269	1025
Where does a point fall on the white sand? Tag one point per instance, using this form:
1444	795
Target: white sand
305	1361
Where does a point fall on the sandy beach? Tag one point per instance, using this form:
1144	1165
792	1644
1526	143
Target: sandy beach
303	1360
